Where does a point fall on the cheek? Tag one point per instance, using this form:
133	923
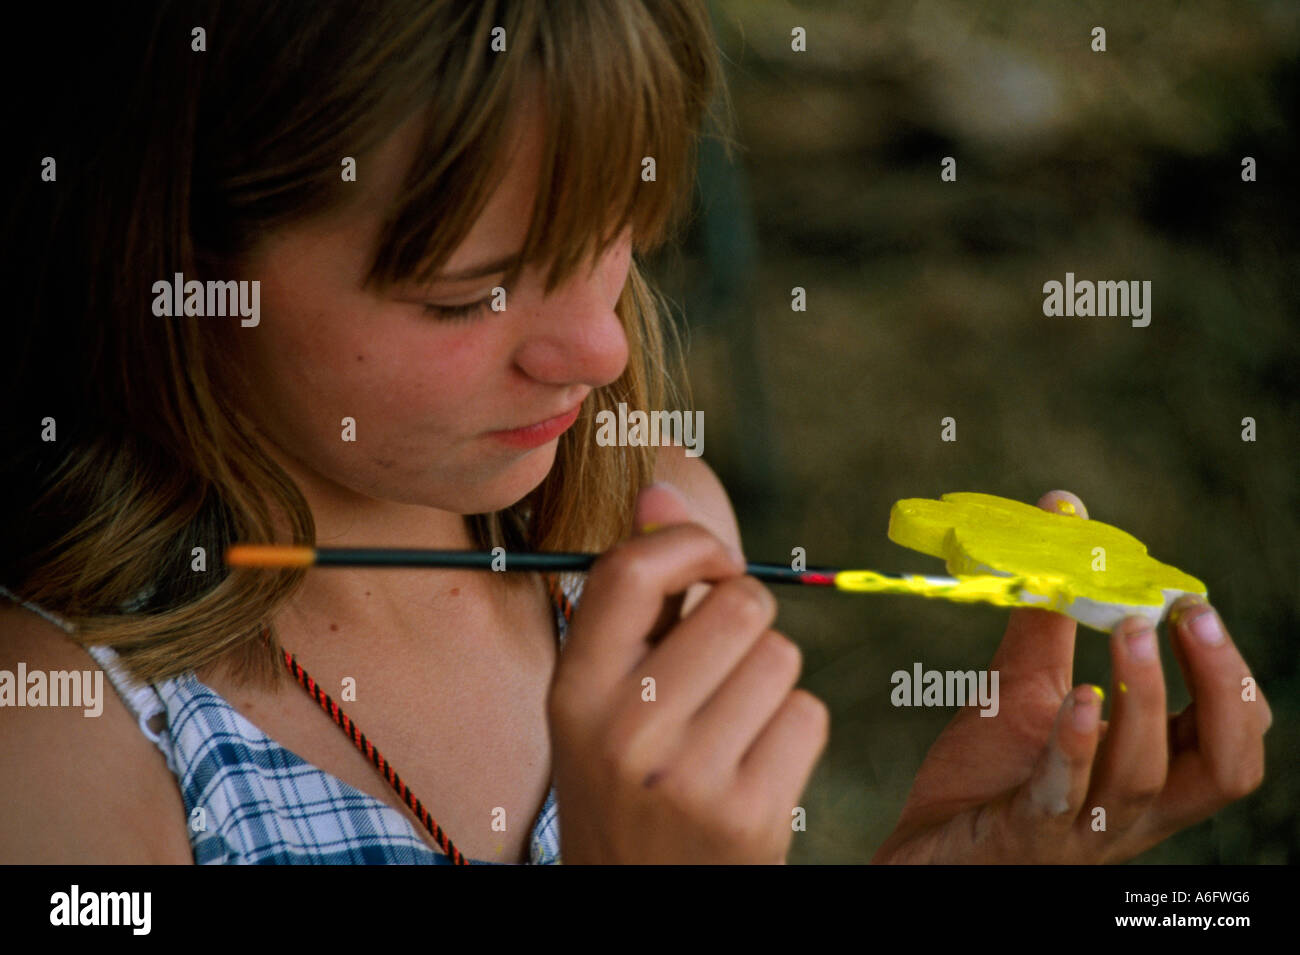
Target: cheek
420	394
416	372
407	387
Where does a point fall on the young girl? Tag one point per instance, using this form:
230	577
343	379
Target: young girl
440	205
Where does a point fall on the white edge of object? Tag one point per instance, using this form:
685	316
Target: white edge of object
1098	614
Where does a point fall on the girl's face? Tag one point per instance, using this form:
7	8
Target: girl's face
457	413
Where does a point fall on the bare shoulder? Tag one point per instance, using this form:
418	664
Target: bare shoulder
76	788
704	492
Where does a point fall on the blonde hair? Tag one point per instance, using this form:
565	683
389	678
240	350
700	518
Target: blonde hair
194	155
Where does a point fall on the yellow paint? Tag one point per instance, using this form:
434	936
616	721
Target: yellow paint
1065	507
1101	696
983	588
982	534
1122	687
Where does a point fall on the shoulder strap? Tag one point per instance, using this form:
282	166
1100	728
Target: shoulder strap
141	699
64	625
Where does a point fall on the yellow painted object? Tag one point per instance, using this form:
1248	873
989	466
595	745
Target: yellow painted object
1091	571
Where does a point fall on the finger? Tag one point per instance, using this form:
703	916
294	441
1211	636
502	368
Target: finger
782	759
1133	758
624	598
1054	794
1219	738
696	656
727	725
1217	676
662	505
1041	642
1063	502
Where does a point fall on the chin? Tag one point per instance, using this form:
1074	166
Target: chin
508	486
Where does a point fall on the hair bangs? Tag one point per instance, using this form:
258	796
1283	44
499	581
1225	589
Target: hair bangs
620	135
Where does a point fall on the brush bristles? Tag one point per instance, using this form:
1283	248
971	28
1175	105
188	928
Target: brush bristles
269	555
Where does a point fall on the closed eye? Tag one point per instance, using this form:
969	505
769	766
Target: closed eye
456	313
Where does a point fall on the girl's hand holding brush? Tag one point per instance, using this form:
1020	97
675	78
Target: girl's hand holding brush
710	769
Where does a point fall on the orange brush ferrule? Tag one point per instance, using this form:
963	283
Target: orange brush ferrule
270	555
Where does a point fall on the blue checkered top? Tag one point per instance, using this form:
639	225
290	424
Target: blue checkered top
251	801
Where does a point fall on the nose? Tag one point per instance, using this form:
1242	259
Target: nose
574	335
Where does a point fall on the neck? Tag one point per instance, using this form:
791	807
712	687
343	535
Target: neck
389	609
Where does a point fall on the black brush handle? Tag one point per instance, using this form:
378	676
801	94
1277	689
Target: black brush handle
483	560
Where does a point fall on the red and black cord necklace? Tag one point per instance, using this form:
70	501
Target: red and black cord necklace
371	752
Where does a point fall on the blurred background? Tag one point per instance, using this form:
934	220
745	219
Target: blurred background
924	300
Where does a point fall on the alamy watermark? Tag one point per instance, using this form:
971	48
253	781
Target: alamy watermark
639	429
1087	298
74	907
179	297
924	687
83	688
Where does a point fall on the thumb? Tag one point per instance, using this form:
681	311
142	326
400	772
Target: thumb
1058	785
660	505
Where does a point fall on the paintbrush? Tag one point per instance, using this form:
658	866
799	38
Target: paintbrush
1020	556
986	588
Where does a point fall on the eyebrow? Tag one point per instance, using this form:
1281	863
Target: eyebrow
495	267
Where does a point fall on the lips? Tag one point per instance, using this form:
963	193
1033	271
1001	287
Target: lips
535	435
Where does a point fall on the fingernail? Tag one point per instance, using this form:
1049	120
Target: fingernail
1207	628
1087	708
1062	504
1183	606
1195	613
1141	645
